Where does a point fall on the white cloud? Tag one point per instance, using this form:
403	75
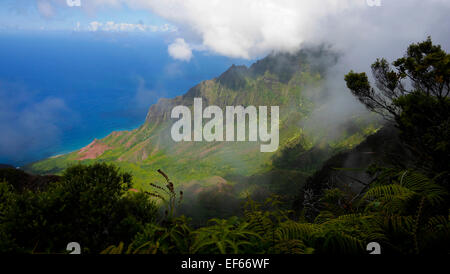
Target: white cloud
243	28
252	28
111	26
180	50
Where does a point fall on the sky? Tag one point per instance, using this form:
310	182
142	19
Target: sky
236	28
74	70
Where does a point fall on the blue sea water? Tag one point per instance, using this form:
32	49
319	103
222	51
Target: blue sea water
59	91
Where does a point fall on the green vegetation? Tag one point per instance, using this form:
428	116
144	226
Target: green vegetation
218	176
291	81
422	112
405	211
91	204
399	201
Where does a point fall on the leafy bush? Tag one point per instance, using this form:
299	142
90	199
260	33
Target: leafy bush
91	205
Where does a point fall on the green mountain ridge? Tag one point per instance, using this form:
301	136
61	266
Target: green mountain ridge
291	81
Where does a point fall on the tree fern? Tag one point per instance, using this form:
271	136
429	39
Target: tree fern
223	236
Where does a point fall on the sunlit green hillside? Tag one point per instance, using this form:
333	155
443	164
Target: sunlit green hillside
294	82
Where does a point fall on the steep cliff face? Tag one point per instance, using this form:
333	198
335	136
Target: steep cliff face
285	80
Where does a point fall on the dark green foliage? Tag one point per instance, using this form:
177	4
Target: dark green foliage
90	206
234	77
425	127
426	67
294	156
21	180
402	206
230	236
404	211
412	210
422	113
285	65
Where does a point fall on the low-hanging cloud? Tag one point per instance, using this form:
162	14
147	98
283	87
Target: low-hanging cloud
29	124
180	50
360	30
145	95
252	28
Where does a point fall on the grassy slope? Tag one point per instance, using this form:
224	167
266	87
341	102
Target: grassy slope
143	150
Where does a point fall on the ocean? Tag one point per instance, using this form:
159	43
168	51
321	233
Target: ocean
59	91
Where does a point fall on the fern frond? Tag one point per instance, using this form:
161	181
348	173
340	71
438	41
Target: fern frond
388	191
296	231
